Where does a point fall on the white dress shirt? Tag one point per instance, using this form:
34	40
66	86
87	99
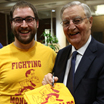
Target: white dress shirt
78	59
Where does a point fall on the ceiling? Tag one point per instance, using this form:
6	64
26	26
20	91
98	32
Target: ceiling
45	6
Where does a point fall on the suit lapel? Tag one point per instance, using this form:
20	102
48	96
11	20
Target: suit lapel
61	62
85	62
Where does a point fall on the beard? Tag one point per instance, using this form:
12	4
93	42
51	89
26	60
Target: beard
24	40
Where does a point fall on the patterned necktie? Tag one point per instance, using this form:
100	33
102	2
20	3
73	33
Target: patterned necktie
70	80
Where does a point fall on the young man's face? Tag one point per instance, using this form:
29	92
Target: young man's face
24	31
77	33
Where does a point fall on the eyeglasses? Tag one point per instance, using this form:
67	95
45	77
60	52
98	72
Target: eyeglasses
76	21
19	20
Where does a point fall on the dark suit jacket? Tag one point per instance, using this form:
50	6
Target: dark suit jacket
89	77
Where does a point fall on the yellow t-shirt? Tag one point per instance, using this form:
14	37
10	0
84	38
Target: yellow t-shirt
22	70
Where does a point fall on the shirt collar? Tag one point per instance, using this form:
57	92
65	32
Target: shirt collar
83	48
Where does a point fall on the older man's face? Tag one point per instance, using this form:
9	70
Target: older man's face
78	30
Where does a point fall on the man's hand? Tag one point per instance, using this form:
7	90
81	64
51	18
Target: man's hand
48	79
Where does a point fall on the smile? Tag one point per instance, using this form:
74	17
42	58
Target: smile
72	34
24	32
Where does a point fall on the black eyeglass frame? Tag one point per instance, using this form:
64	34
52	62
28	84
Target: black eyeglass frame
73	22
13	19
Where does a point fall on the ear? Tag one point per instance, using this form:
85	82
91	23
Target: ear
91	21
37	23
11	24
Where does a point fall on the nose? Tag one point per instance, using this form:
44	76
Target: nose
24	24
72	25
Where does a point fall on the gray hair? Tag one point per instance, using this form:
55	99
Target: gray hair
73	3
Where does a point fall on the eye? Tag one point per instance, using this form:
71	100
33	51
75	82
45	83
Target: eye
65	23
18	20
29	19
77	21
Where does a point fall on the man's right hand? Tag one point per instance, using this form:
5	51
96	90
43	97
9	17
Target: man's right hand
48	79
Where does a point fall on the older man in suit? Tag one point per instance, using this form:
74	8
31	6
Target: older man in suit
88	85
